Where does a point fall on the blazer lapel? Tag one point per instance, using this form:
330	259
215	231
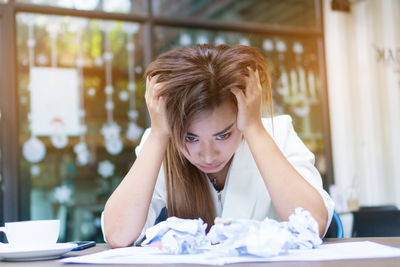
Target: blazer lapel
241	193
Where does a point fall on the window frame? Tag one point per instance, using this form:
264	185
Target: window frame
9	132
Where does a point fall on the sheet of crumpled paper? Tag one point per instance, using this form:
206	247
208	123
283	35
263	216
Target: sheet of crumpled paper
261	238
265	238
177	236
304	229
268	237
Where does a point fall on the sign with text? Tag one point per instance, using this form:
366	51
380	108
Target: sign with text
54	101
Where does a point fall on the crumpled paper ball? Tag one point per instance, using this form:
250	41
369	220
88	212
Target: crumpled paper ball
177	236
243	237
304	229
266	238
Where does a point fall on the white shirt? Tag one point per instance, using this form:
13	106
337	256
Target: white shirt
218	196
245	195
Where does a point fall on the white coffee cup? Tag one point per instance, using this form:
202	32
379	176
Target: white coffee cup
32	234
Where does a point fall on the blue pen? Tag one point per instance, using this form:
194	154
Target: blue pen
83	244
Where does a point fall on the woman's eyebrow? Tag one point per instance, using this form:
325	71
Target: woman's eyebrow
220	132
224	130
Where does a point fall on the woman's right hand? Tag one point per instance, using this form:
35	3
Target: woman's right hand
126	210
156	107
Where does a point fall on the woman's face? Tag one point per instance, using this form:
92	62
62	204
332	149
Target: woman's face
213	138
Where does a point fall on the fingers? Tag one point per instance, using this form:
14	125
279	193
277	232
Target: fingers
152	87
253	84
253	87
151	94
239	94
254	78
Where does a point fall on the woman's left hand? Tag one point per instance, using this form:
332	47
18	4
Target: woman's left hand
249	103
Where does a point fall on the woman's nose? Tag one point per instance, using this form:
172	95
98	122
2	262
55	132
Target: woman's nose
208	153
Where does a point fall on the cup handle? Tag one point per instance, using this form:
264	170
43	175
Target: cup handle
3	229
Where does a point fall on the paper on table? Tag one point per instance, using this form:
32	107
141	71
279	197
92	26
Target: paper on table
152	255
142	255
241	237
339	251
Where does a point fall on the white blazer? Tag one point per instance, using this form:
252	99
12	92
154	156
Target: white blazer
245	195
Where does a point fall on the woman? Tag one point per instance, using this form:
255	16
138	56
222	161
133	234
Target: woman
220	157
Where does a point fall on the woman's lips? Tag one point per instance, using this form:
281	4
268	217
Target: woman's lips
209	167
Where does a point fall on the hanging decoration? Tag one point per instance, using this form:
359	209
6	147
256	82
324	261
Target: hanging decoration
301	107
202	39
62	194
33	150
111	133
284	87
41	121
53	28
301	104
268	45
281	48
139	69
91	91
219	40
244	41
133	132
106	169
59	138
35	170
98	62
81	149
123	96
283	83
298	48
42	59
110	130
311	86
82	153
185	40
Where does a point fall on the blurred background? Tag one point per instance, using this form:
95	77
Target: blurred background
72	93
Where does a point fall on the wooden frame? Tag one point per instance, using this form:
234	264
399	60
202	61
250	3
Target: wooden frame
8	105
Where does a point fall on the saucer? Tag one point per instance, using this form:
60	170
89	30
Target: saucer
10	253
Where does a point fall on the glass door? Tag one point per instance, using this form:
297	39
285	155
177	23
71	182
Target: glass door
78	82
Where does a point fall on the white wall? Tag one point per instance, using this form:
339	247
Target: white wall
364	98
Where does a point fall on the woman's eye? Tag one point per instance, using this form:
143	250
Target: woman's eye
223	136
190	139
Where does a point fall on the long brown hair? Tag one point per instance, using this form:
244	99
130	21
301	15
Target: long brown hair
197	79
